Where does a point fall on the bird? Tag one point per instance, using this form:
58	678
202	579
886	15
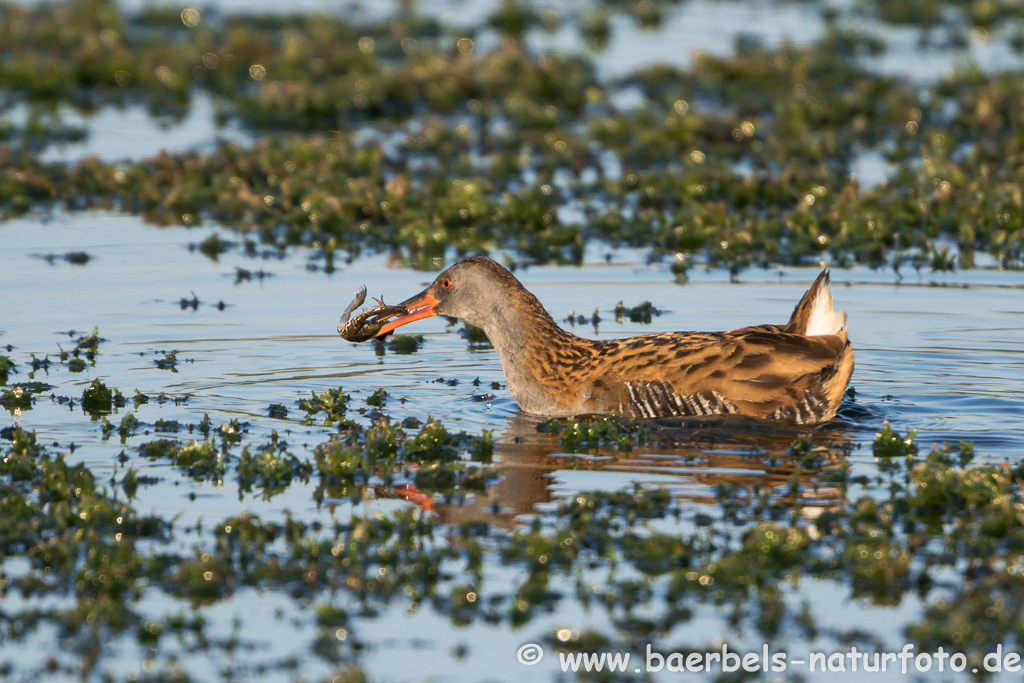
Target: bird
795	373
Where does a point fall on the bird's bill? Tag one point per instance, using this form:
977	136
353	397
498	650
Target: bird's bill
420	306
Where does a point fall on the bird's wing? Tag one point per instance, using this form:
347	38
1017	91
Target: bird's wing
758	371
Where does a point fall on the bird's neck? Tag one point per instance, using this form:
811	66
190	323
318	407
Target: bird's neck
537	356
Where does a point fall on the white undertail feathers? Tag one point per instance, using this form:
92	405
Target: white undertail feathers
823	320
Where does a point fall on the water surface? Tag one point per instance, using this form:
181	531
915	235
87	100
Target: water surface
941	353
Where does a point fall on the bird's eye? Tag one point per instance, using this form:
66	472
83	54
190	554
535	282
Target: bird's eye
447	283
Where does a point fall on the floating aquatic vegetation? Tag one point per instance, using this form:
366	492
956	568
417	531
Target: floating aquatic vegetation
405	344
168	362
738	160
7	368
192	303
245	275
890	444
88	345
167	426
475	336
42	129
16	399
99	400
433	459
128	427
332	402
638	314
513	18
213	246
949	517
77	258
197	459
271	468
591	434
378	399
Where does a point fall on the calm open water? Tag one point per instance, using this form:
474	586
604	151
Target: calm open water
940	353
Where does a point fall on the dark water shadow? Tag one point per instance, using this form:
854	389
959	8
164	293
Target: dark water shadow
693	458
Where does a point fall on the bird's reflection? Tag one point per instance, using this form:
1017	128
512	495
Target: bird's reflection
697	457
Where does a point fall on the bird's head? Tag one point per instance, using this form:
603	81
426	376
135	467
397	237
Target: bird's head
471	290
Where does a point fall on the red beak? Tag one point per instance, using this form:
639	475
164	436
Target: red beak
420	306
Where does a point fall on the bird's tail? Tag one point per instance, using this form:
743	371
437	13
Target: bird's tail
814	316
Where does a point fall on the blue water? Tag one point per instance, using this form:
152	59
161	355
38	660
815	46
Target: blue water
940	353
947	360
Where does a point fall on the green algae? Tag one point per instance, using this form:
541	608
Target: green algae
941	529
16	399
405	344
271	468
7	368
197	459
984	14
333	403
98	399
433	459
738	160
475	337
640	313
588	435
950	515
